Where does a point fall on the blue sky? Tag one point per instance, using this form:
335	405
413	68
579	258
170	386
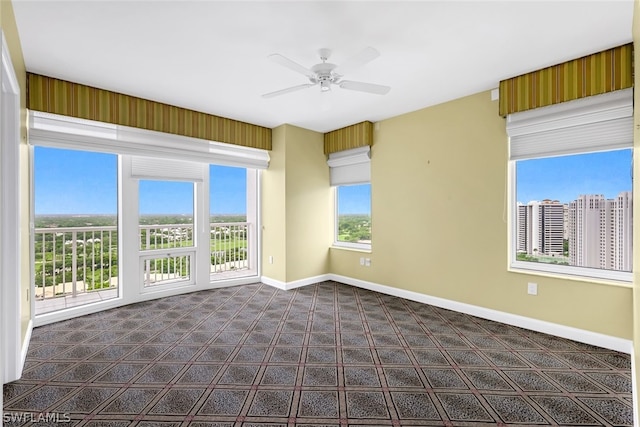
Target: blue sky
354	199
565	178
78	182
74	182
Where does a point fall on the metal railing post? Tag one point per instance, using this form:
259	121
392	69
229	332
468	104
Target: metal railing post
74	262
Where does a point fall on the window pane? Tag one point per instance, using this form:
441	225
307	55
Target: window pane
166	214
228	193
575	210
229	229
354	213
76	227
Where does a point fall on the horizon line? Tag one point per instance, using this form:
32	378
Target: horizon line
79	215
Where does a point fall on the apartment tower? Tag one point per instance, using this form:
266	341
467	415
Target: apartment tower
540	228
600	232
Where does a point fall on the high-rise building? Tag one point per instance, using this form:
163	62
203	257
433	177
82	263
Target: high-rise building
600	232
522	237
586	231
565	214
622	228
540	228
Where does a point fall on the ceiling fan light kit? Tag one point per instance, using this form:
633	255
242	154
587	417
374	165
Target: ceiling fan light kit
326	74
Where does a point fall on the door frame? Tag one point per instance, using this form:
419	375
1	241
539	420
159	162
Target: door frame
12	357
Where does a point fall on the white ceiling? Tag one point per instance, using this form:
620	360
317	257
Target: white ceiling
211	56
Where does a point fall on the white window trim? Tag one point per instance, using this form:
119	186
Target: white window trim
348	245
612	108
366	247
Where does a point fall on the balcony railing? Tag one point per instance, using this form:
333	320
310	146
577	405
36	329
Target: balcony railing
160	266
229	246
74	260
80	260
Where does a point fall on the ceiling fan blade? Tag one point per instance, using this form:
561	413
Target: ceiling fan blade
367	55
365	87
292	65
287	90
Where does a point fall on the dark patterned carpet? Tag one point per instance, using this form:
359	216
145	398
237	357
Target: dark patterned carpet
327	354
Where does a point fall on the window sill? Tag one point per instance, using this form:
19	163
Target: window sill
622	282
361	249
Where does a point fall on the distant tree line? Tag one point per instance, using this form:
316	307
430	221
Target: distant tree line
354	228
55	221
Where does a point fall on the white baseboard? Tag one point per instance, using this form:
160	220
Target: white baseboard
634	388
286	286
575	334
16	374
25	345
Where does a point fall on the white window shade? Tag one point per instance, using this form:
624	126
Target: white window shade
52	130
596	123
350	166
156	168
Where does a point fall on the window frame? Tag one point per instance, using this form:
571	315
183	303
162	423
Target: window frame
252	218
567	271
349	245
195	179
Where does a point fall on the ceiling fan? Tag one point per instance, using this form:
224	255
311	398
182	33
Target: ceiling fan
326	74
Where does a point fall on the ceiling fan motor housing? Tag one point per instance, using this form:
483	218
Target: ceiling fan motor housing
324	75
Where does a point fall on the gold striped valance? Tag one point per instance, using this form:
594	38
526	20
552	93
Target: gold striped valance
75	100
599	73
353	136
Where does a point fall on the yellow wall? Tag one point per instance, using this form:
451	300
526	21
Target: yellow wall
297	218
273	212
438	182
8	24
309	205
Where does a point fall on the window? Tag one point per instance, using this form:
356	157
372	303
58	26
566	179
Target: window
353	216
575	210
76	228
350	174
572	188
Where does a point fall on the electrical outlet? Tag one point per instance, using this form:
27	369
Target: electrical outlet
361	260
532	288
367	262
